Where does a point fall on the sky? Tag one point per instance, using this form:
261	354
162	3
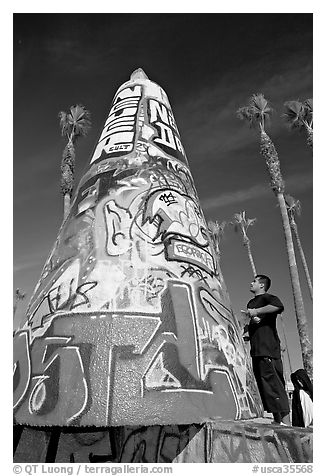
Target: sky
209	65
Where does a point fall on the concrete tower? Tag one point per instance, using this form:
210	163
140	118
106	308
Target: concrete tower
130	323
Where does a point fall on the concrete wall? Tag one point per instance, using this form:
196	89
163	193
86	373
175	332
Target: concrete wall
223	442
130	322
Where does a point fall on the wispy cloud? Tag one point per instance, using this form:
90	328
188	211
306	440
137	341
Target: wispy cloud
296	183
26	265
33	260
212	126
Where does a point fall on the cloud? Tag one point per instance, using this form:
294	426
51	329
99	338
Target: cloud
27	265
296	183
210	120
35	259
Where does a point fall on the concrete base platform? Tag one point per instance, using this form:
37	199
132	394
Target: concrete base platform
248	441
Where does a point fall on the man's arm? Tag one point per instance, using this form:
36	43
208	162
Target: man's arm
268	309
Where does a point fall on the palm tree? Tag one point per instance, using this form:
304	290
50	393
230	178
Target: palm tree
73	124
257	113
294	208
18	297
216	230
243	223
299	116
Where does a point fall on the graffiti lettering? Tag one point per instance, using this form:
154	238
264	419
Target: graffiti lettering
191	271
61	298
213	442
22	366
51	378
59	301
167	342
158	111
163	371
118	222
168	198
81	297
167	135
181	251
152	286
91	195
214	308
118	134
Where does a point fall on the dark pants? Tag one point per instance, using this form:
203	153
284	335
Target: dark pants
269	376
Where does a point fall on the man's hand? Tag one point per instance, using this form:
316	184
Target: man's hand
252	314
256	319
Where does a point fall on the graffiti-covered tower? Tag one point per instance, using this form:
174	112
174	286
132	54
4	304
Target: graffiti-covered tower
130	322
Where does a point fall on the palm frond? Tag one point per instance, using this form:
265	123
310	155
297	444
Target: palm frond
240	217
19	295
294	114
216	229
292	204
246	114
211	227
309	104
308	110
242	222
260	105
80	118
64	124
251	221
257	112
75	123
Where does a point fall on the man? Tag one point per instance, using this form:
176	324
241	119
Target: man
265	349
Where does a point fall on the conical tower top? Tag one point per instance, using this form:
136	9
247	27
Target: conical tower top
138	74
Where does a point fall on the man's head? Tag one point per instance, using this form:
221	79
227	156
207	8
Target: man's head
260	284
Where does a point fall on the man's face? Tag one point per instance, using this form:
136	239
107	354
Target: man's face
256	286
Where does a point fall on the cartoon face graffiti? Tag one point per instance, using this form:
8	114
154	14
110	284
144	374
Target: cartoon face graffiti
177	214
180	225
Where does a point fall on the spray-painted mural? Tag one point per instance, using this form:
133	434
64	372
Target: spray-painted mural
130	322
221	442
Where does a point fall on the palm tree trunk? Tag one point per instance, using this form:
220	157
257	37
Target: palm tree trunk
306	347
218	258
246	243
269	152
310	137
67	176
66	205
302	255
286	344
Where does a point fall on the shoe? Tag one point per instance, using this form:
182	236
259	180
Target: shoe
278	423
